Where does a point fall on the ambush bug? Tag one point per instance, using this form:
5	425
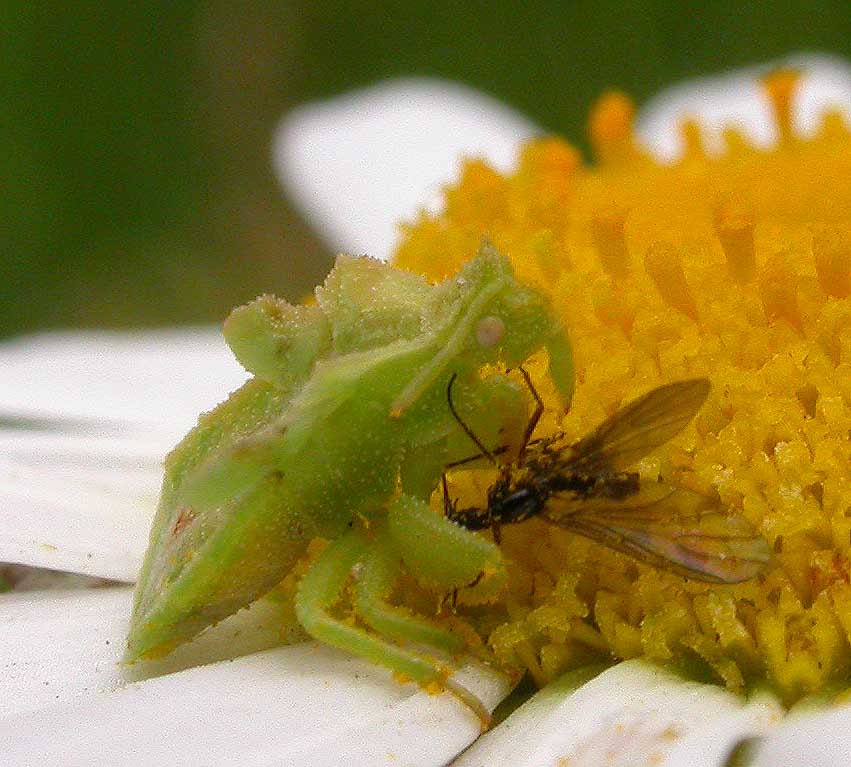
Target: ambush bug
342	434
587	488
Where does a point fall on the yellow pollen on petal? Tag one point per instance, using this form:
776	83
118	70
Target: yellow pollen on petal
692	138
611	128
736	267
781	87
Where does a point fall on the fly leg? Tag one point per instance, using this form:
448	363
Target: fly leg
536	415
467	430
495	410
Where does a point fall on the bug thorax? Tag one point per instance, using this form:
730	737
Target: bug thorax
518	494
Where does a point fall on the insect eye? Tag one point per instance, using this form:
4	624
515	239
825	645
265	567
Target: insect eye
490	331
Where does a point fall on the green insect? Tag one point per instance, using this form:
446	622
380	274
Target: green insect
343	434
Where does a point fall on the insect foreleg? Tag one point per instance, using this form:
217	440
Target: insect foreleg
488	418
501	450
277	341
443	555
448	503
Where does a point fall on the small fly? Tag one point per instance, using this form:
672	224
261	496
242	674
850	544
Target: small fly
587	488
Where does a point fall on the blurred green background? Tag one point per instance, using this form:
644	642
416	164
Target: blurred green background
137	187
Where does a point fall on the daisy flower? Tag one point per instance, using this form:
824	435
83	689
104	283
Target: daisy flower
710	238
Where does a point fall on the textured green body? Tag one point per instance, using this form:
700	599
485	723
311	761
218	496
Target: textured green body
348	398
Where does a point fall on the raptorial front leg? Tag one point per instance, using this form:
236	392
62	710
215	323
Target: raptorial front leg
322	587
444	556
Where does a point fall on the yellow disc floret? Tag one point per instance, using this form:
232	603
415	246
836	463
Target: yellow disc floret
736	267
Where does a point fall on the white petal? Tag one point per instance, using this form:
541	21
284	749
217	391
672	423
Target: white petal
631	714
814	740
304	704
712	744
109	380
81	519
736	98
359	164
827	85
86	420
58	646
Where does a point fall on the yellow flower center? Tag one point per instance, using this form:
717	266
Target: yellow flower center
736	267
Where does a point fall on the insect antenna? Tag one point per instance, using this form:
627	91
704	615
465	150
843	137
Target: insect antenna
467	430
501	450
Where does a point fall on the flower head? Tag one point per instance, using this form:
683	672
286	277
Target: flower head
735	266
661	271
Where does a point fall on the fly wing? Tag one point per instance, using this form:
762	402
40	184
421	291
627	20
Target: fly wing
639	428
675	530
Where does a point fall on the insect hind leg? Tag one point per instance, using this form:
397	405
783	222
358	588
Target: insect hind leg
323	586
374	582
